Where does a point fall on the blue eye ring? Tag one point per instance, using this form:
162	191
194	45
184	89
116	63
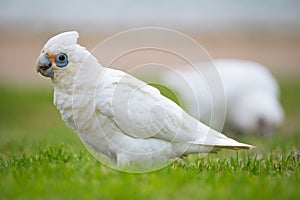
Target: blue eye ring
61	60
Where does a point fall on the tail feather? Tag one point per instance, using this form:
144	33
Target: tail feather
228	143
216	139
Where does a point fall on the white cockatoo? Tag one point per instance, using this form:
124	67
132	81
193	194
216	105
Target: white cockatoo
119	116
251	93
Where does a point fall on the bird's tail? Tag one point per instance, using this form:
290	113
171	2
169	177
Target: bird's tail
228	143
220	141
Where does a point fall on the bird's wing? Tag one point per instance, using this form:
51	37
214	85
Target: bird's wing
140	111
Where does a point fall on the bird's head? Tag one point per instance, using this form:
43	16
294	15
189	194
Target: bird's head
61	56
257	113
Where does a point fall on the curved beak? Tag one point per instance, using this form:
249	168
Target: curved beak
44	66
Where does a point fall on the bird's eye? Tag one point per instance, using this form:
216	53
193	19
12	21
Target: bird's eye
61	60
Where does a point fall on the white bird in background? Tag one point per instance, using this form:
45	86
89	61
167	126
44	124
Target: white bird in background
251	95
118	115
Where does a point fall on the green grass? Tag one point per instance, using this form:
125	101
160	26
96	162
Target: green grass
42	159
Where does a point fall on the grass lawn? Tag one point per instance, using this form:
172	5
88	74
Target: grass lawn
42	159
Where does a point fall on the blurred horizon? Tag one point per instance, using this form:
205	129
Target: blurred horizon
265	31
193	15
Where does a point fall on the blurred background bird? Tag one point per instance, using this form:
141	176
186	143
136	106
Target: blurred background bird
251	102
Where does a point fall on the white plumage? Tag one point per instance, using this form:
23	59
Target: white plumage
118	115
251	95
